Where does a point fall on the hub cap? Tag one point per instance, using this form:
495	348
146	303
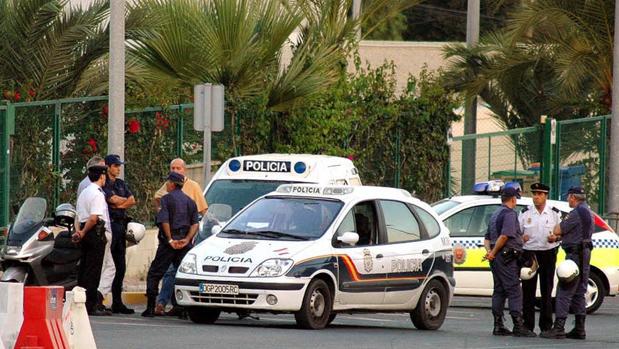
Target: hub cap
317	304
591	296
432	303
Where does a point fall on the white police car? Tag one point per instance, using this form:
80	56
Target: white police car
240	180
467	218
318	250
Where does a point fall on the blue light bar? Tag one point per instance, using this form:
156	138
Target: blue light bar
234	165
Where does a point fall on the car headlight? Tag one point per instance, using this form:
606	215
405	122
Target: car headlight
272	268
189	265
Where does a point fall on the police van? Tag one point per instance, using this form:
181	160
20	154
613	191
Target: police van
242	179
467	219
315	251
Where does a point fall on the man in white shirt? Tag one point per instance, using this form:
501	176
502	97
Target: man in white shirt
94	222
108	271
537	222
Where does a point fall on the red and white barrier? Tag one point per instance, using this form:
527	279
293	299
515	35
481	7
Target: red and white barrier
42	327
11	312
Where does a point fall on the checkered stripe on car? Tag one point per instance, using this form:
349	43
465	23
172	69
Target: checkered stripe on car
467	243
605	243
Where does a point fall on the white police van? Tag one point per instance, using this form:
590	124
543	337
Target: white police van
242	179
318	250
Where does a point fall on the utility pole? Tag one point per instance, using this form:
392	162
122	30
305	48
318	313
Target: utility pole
356	13
469	147
116	118
612	200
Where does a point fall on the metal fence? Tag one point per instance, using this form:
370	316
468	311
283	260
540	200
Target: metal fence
560	153
44	147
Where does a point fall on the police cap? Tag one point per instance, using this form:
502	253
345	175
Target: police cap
97	170
510	192
576	190
176	178
540	187
113	159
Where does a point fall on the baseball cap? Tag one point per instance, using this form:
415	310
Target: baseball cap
510	192
113	159
176	177
576	190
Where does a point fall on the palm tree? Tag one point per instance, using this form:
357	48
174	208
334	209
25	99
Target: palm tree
48	45
238	43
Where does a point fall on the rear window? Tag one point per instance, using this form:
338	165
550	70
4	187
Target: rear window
445	205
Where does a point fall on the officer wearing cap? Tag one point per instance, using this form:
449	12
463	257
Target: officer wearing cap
93	217
178	223
504	245
575	234
119	198
536	222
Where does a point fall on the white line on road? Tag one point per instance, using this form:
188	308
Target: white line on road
132	324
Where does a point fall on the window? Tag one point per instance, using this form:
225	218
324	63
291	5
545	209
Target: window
401	223
362	220
444	205
471	222
431	225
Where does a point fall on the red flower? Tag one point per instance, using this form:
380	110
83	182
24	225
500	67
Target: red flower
93	144
32	93
105	110
17	96
161	121
134	126
350	157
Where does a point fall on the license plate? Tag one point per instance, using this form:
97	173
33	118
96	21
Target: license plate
219	289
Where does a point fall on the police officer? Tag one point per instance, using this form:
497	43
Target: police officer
119	199
575	233
93	216
178	223
504	245
536	222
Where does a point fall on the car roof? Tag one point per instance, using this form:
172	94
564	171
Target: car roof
347	193
487	199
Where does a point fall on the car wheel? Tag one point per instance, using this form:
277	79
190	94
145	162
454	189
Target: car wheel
331	318
594	296
201	315
432	307
316	308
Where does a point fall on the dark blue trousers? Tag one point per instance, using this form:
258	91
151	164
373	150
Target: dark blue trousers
571	296
506	278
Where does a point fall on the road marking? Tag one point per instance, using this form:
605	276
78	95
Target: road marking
132	324
461	318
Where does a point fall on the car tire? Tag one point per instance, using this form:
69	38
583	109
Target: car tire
331	318
432	307
316	308
595	293
200	315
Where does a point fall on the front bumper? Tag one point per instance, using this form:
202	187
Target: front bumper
252	295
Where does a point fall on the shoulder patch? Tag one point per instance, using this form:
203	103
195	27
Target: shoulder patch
556	210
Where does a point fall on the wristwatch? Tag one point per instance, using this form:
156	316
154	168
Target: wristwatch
170	241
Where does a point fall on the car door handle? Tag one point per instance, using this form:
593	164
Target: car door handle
425	252
380	255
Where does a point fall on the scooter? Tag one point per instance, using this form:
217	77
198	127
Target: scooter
39	250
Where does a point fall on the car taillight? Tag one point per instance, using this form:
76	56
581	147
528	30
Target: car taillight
600	224
43	234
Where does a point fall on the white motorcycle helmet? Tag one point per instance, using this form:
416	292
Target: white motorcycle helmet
527	273
135	233
567	271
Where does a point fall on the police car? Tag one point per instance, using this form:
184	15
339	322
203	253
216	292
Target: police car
242	179
467	218
318	250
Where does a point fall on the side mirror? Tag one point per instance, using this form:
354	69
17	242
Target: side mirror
216	229
349	238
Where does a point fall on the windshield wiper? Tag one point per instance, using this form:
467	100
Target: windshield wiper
234	232
278	234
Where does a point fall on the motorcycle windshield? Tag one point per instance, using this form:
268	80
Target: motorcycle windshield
28	221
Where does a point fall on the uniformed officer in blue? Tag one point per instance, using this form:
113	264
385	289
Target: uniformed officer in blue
178	223
536	222
575	235
505	246
119	198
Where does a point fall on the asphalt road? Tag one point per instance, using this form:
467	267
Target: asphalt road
468	325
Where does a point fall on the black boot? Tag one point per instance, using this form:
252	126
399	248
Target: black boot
519	329
579	330
557	331
150	307
499	327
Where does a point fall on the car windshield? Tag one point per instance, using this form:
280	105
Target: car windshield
234	194
284	218
445	205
